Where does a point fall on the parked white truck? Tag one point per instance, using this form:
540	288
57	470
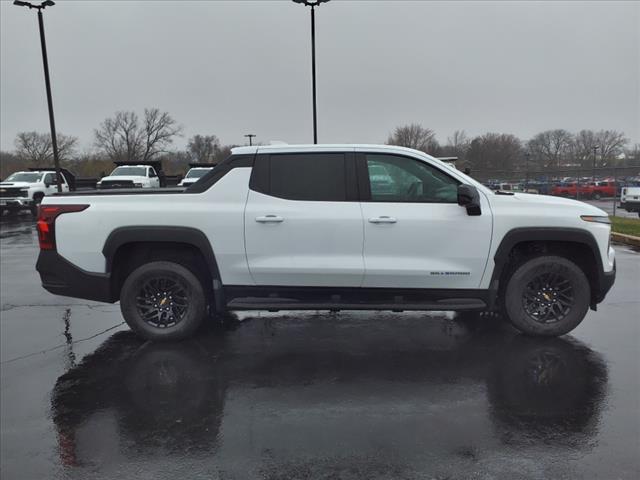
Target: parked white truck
304	228
630	199
194	174
130	176
25	190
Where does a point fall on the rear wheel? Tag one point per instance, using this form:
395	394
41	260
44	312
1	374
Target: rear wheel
547	296
597	196
163	301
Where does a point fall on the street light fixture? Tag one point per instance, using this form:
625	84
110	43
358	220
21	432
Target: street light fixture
47	81
250	135
313	4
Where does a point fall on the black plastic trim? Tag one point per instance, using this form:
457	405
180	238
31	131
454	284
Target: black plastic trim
151	234
240	297
61	277
552	234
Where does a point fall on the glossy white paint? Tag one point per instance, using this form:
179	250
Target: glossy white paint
430	245
301	243
328	243
218	212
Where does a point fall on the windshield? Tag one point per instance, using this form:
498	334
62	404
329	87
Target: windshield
133	171
200	172
30	177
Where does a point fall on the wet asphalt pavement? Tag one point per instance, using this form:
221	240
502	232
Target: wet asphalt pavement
295	396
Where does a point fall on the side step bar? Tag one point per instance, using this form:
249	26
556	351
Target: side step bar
274	304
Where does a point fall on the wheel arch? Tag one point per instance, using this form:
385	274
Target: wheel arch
575	244
191	238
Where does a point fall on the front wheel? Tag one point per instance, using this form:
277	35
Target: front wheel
163	301
597	196
547	296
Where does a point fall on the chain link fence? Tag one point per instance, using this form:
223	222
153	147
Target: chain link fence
585	184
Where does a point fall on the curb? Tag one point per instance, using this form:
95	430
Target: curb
626	239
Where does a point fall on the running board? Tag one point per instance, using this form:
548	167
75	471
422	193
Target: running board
275	304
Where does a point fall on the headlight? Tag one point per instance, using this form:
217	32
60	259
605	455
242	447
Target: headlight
596	219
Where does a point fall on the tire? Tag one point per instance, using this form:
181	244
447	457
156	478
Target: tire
37	200
152	279
542	281
597	196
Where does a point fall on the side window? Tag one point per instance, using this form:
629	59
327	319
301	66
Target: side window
305	176
394	178
50	178
152	173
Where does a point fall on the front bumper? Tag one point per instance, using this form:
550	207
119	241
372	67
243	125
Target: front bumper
61	277
19	202
605	282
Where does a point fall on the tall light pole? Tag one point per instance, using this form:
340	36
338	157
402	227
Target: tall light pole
47	82
313	4
250	135
527	155
593	172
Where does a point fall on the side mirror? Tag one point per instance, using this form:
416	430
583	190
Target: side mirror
47	184
469	198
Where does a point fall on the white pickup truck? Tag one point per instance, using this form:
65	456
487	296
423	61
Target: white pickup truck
130	176
193	175
25	190
630	199
305	228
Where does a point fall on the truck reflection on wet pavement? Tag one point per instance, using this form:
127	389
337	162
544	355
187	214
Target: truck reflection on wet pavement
295	390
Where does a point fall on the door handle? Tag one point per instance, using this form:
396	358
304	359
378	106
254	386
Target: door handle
382	219
270	219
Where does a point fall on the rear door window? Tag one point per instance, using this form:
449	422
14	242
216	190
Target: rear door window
302	176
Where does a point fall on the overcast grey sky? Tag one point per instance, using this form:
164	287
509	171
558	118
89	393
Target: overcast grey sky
231	68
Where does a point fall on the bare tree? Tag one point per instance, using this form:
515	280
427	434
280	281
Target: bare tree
119	137
203	148
498	151
122	138
37	148
551	147
610	144
415	136
457	145
159	130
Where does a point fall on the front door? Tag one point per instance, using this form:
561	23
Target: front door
303	223
416	235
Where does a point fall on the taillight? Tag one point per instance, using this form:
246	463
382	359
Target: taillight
47	215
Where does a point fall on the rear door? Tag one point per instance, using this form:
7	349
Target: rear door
303	223
416	234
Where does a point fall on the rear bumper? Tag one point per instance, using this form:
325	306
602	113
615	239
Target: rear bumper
630	206
61	277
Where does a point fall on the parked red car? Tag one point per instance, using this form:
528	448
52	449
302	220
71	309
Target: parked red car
601	189
570	190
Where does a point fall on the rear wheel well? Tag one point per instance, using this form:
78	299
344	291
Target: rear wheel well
132	255
579	253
